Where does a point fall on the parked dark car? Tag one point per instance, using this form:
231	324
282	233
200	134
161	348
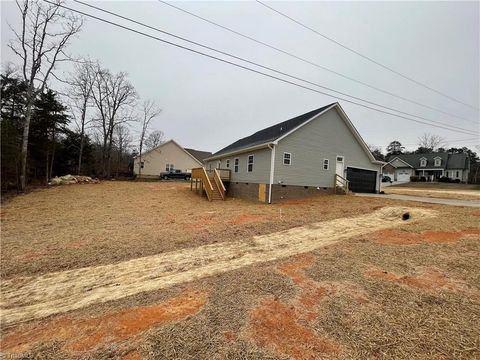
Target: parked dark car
387	179
175	174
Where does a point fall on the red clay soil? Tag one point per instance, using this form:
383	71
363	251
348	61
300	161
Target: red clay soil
431	279
230	335
85	334
396	237
285	327
274	326
246	218
133	355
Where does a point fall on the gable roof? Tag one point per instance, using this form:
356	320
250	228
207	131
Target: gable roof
458	161
270	133
178	145
397	158
198	154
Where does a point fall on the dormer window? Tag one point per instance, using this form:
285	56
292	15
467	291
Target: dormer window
423	162
438	161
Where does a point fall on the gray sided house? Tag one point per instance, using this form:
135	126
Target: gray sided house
299	157
432	166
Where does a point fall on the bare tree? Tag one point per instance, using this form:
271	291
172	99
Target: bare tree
155	138
431	142
123	141
80	93
114	98
41	43
149	112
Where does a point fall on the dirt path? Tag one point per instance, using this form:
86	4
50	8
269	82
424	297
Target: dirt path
30	298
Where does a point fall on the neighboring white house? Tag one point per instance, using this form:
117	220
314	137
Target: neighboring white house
168	156
432	166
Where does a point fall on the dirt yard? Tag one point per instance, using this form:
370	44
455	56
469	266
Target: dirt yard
437	190
150	270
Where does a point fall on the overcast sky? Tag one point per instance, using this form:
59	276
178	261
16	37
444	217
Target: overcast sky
207	104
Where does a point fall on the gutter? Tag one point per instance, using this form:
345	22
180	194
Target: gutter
272	171
239	151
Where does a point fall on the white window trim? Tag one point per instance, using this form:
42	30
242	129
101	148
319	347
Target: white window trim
423	162
437	162
340	156
248	162
236	165
328	164
227	163
290	159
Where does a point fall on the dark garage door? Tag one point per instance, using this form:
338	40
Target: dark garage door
361	181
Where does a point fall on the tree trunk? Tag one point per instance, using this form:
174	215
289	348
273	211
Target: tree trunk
51	162
26	130
46	169
80	154
82	134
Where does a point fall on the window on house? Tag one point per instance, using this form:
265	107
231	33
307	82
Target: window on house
326	164
142	164
250	163
438	162
423	162
287	158
169	167
235	167
219	164
458	173
227	163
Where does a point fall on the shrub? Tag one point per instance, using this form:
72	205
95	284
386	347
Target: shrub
423	179
413	178
457	181
445	179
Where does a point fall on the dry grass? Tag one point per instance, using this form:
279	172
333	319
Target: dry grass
75	226
437	190
359	298
53	293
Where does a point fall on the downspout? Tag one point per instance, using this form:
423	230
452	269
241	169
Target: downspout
272	171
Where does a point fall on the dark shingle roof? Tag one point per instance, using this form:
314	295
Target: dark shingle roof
457	161
449	161
199	155
271	133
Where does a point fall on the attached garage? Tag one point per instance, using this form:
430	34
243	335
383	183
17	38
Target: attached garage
362	181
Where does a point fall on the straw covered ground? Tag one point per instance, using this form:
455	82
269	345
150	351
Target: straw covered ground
437	190
151	271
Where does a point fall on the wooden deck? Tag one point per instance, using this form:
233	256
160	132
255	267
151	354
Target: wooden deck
210	181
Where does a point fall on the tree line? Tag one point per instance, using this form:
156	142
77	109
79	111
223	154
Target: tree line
85	127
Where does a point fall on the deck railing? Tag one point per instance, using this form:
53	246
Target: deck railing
200	173
341	182
223	173
218	181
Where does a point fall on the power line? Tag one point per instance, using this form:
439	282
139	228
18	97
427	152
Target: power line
365	56
247	68
262	66
312	63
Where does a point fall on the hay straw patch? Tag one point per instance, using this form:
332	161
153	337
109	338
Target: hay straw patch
31	298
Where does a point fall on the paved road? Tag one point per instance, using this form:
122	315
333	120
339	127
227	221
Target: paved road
453	202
